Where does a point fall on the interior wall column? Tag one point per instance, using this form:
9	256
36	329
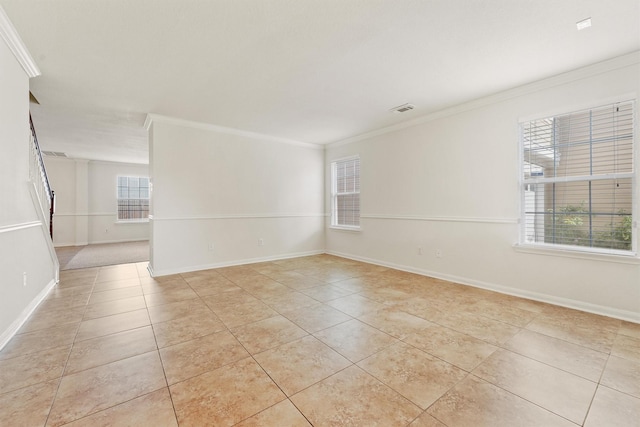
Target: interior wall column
82	202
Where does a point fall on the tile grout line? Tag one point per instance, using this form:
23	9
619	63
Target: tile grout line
73	342
499	345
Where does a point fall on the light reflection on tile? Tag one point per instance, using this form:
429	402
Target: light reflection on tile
426	420
191	358
560	392
301	363
353	397
224	396
32	368
27	406
112	324
316	317
626	347
474	402
349	343
99	388
40	340
153	409
613	408
186	328
561	354
110	348
109	308
280	414
454	347
355	340
622	375
416	375
45	319
268	333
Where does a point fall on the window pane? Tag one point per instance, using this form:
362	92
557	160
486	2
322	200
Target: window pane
347	187
133	198
144	192
123	187
538	144
349	209
598	141
586	199
586	213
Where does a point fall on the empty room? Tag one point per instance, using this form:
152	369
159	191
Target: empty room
344	213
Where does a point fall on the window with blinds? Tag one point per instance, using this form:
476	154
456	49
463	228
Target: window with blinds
133	198
345	193
578	179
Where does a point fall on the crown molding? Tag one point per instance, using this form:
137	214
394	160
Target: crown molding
616	63
17	46
152	117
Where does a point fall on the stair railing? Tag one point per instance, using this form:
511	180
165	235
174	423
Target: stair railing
38	175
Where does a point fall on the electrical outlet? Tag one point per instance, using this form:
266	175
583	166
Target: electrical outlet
260	242
211	246
419	251
24	279
106	230
439	253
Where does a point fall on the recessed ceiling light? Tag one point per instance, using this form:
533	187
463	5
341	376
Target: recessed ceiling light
585	23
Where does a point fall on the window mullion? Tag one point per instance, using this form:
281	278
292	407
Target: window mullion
578	179
345	200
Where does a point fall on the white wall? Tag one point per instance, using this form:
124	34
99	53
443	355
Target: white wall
230	189
24	252
86	202
451	183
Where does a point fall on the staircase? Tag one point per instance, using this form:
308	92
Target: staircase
38	175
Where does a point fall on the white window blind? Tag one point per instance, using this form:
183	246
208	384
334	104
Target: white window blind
345	192
133	198
578	179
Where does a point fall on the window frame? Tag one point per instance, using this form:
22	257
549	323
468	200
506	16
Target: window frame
594	252
335	194
118	199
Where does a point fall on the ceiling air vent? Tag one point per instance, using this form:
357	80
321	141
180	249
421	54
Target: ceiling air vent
54	154
403	108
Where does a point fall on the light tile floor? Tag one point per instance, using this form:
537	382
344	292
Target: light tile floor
319	341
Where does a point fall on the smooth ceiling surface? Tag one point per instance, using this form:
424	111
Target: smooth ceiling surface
314	71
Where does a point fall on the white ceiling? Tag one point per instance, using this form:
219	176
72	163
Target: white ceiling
314	71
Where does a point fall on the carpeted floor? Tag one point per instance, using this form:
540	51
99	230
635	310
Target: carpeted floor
74	257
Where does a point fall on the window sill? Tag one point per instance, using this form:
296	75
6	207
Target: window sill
631	258
345	228
132	221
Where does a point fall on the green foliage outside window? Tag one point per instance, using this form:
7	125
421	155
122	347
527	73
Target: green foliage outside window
619	235
570	226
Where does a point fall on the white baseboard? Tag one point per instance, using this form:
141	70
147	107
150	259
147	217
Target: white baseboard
100	242
150	269
67	244
229	263
6	336
550	299
60	245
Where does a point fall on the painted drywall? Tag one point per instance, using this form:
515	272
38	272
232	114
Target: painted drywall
86	202
26	264
62	176
16	204
216	193
451	184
